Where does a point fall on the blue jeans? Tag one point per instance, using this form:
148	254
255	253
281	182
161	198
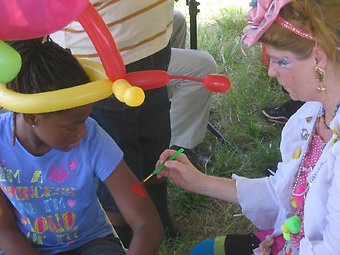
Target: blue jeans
142	132
108	245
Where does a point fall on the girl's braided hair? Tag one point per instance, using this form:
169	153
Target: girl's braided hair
45	67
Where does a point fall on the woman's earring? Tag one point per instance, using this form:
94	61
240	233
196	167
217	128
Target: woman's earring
320	77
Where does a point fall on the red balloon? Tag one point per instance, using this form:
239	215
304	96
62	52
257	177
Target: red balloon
217	83
23	19
149	79
104	43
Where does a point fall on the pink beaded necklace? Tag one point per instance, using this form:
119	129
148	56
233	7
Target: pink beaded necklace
302	185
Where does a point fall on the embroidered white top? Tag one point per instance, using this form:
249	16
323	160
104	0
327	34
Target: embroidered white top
268	203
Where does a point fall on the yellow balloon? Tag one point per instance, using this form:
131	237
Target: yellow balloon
94	70
100	87
134	96
119	87
57	100
126	93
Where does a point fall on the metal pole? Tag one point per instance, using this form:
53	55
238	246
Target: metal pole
193	11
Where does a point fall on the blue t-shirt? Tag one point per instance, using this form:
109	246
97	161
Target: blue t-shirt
55	194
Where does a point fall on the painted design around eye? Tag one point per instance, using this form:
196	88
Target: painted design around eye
282	62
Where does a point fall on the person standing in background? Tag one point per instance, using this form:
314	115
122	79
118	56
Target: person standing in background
51	163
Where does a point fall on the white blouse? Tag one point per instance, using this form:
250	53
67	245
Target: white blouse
266	201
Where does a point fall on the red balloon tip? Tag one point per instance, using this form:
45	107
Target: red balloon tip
217	83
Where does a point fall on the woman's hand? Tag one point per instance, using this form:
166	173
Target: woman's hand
188	177
180	171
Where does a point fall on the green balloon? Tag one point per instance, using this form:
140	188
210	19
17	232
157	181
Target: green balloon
293	223
10	63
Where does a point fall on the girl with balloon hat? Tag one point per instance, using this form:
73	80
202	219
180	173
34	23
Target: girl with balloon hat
51	161
43	17
297	209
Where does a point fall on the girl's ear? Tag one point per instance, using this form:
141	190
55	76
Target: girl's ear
320	57
30	119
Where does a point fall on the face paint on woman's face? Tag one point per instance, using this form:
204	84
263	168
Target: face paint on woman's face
295	75
283	62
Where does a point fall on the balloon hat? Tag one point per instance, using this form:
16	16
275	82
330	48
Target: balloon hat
34	20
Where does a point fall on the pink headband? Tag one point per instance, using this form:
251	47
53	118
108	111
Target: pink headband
284	23
262	16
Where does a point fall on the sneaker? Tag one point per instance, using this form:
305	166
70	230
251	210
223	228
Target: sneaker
276	114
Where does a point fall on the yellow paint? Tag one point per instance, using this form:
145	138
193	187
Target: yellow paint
296	153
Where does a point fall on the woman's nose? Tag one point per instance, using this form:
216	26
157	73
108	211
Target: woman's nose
272	70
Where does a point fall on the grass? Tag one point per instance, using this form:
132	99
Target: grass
237	115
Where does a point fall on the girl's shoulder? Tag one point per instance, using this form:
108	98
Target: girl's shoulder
6	119
92	126
96	135
5	114
91	123
6	127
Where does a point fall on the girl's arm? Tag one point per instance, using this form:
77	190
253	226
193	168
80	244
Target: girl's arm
12	241
185	175
137	209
